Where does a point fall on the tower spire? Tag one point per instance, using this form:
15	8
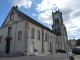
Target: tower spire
59	10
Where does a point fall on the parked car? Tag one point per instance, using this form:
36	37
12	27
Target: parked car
76	50
61	51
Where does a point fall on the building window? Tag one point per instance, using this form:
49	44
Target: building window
38	35
46	37
19	35
50	47
0	39
9	30
12	16
32	33
56	20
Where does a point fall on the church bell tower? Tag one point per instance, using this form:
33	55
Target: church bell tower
60	30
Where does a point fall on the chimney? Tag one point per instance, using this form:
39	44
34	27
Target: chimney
16	7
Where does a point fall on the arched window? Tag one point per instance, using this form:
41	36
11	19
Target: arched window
9	30
38	35
56	20
32	33
19	35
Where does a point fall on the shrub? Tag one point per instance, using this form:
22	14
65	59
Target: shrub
35	50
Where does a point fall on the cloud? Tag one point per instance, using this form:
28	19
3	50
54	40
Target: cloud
73	27
70	10
49	4
21	3
46	17
76	14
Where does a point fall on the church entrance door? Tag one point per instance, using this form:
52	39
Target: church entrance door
7	46
32	48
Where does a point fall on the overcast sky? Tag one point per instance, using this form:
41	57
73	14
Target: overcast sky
41	10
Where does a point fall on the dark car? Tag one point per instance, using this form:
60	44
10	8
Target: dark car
61	51
76	50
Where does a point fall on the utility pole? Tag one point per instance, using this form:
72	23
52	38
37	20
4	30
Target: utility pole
67	50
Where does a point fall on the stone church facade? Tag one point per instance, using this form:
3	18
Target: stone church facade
21	33
60	30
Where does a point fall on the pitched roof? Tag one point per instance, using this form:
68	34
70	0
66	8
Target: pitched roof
31	20
35	22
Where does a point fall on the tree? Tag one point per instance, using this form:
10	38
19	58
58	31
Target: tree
78	42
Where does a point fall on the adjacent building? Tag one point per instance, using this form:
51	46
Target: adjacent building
71	44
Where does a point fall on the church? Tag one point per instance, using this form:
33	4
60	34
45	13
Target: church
20	33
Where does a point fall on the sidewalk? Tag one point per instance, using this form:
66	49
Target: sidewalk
77	57
52	54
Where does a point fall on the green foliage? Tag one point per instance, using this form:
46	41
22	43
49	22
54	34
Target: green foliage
78	42
35	50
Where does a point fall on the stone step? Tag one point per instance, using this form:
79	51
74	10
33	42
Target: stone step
44	54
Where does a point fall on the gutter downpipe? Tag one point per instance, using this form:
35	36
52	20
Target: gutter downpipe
67	50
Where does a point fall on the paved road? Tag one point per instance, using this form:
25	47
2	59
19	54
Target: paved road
49	57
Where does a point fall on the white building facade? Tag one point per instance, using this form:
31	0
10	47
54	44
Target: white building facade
20	33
